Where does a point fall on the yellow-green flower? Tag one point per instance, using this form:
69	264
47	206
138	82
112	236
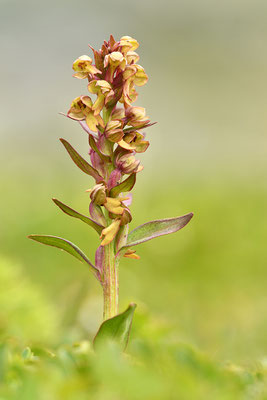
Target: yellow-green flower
134	141
115	205
77	109
81	109
109	233
127	43
133	74
118	113
103	90
84	68
113	61
113	130
131	254
132	57
136	117
140	77
126	162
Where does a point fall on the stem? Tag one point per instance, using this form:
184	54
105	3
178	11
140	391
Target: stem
111	283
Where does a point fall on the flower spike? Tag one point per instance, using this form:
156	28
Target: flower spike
115	135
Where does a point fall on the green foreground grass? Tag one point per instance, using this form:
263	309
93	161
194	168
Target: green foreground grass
150	370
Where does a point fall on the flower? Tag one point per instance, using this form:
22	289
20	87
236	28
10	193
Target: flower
131	254
126	162
84	68
127	43
98	194
115	205
136	117
103	90
140	77
118	113
133	74
134	141
132	57
110	232
81	109
113	79
113	130
126	217
113	61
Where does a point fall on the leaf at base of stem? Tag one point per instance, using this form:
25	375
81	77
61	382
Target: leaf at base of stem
116	329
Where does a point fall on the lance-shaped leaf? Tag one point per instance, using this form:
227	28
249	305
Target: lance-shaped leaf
153	229
93	144
65	245
124	186
72	213
80	162
116	329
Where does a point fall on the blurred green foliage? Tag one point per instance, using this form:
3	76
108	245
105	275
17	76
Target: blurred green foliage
151	370
25	314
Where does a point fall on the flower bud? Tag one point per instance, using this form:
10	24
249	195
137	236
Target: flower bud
131	254
136	116
126	162
98	194
113	131
126	217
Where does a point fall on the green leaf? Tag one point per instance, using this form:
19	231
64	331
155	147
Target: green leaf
116	329
72	213
65	245
153	229
124	186
80	162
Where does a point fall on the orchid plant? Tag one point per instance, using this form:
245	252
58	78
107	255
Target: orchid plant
115	133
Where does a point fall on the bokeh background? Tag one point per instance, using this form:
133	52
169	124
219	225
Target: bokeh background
207	64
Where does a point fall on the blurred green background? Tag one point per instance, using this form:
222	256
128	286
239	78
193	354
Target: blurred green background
207	64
